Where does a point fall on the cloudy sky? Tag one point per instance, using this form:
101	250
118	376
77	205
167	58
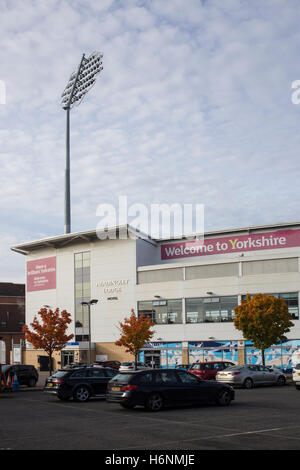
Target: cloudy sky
193	106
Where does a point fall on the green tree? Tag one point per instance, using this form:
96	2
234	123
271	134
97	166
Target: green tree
135	332
264	320
49	335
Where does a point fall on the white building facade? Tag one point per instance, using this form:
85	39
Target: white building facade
189	288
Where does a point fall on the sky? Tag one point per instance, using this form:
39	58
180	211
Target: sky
193	106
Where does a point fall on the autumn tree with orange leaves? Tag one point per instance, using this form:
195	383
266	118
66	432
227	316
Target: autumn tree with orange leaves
135	334
264	320
49	335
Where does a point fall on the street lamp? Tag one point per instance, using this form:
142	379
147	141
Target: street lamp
91	302
80	82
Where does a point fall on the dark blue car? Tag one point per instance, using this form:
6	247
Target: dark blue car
157	388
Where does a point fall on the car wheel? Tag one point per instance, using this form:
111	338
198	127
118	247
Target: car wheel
81	393
154	402
224	398
32	382
281	381
248	384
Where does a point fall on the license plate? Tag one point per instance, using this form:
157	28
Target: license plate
223	375
115	389
50	385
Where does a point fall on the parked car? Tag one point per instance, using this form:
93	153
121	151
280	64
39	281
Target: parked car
26	374
208	370
112	364
296	376
157	388
125	366
249	376
79	384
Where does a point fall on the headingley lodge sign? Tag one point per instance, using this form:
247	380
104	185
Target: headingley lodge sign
232	244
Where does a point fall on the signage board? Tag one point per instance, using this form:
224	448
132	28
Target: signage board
41	274
231	244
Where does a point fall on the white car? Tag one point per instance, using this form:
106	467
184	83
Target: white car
296	376
126	366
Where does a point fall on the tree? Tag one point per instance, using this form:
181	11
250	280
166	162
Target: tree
49	335
264	320
135	333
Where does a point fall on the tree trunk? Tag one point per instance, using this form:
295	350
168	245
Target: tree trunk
263	356
135	361
50	363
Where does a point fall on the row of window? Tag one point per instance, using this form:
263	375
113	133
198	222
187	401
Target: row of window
203	310
249	268
82	277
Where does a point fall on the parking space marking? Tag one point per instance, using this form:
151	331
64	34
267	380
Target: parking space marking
222	436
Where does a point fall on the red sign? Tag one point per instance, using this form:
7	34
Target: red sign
41	274
232	244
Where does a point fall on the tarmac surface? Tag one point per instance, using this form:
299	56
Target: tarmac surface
262	418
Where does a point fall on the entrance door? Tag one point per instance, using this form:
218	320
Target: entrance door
67	357
152	359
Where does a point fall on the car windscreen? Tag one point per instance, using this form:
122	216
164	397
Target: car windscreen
297	367
5	368
123	378
127	363
234	368
197	366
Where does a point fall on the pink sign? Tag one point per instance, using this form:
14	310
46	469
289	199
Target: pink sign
232	244
41	274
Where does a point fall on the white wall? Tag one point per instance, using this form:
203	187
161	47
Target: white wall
117	260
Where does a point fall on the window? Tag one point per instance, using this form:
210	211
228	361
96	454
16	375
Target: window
160	275
110	373
270	266
162	312
187	378
291	299
210	309
218	366
97	373
146	379
80	373
82	290
166	378
211	271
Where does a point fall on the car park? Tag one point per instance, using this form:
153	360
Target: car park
296	376
80	383
126	366
249	376
26	374
157	388
209	370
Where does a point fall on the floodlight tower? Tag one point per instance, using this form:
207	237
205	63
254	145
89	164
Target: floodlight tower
80	82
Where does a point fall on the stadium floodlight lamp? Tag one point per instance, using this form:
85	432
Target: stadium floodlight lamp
80	82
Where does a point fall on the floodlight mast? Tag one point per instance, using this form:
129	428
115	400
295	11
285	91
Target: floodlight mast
79	84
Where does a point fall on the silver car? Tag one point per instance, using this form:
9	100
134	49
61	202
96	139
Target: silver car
249	376
126	366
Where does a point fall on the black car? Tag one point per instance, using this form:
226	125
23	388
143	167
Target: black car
26	374
80	383
112	364
157	388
